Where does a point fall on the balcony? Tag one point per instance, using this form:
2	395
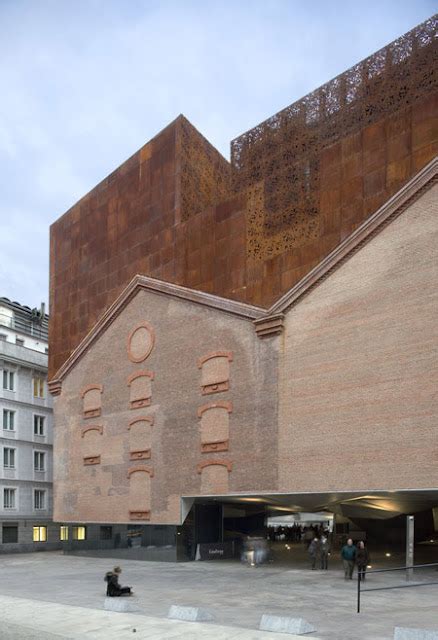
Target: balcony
24	325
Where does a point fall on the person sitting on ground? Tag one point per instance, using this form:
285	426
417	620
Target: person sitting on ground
348	555
113	587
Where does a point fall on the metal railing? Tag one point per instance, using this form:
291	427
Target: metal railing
29	326
409	573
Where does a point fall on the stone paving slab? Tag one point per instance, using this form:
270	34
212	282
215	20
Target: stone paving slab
19	632
238	596
24	619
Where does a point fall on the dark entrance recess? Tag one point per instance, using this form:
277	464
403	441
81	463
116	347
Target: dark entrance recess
208	523
202	525
214	523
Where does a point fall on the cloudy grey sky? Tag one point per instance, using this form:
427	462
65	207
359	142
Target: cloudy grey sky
85	83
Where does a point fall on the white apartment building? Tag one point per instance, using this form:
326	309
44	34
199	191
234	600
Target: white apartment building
26	432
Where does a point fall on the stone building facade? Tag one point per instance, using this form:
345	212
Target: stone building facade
231	340
26	498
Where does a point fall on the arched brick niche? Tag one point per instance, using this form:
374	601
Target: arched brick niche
140	438
214	426
214	476
141	341
140	493
140	389
91	444
92	400
215	371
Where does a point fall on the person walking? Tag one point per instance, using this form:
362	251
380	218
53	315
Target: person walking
313	552
348	555
308	536
324	550
113	587
362	559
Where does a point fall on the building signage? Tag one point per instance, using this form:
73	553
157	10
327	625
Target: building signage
215	551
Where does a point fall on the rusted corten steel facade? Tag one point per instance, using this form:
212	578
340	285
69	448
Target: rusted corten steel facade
297	185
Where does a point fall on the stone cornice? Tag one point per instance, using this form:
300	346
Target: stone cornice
269	325
55	386
233	307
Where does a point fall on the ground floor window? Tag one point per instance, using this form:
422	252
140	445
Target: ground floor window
106	533
9	533
40	534
79	533
63	533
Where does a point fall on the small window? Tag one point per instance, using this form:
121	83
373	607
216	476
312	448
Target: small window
106	533
39	425
19	341
9	498
8	380
63	533
8	458
40	534
39	499
3	337
38	387
9	533
8	420
79	533
39	461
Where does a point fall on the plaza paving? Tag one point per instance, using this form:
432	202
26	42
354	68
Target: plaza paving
48	595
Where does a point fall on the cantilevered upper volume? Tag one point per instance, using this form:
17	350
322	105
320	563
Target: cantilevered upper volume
298	185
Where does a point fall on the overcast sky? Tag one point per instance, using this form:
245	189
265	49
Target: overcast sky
84	84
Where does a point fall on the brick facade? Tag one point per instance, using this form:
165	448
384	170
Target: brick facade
343	400
358	369
98	479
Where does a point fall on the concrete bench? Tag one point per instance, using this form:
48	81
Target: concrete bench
283	624
403	633
190	614
120	604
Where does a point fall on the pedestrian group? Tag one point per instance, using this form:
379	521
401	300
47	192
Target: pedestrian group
352	555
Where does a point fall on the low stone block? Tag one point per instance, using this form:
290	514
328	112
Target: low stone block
283	624
190	614
403	633
120	604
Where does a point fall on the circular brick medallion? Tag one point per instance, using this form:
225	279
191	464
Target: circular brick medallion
140	342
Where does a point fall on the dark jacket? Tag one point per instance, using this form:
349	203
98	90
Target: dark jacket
348	553
362	557
324	544
113	587
313	549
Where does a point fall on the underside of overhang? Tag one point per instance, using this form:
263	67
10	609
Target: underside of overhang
379	505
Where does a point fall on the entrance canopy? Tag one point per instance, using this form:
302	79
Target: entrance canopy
367	504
